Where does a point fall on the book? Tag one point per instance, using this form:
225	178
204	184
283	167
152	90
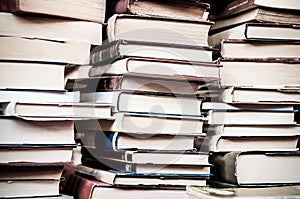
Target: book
146	124
54	29
257	130
111	51
250	114
240	49
257	31
55	111
239	193
28	154
122	141
219	106
29	188
156	29
147	179
10	95
18	75
235	7
186	10
31	172
78	186
224	143
141	82
40	50
84	187
16	131
251	118
151	157
138	192
256	168
114	164
280	74
158	67
32	180
149	103
259	14
251	95
91	10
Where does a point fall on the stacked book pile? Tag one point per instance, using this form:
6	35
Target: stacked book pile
254	135
156	69
39	41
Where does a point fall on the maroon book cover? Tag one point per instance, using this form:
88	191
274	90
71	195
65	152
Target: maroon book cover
78	186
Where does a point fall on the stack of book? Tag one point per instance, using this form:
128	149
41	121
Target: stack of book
254	133
37	42
156	69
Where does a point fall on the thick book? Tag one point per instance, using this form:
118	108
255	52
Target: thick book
50	28
122	141
89	10
239	6
141	82
159	67
35	96
151	157
145	124
40	50
139	192
243	49
249	114
150	103
200	192
17	75
186	10
111	51
19	131
117	178
257	31
223	143
277	74
55	111
257	168
255	130
157	29
29	188
235	95
260	14
39	154
83	187
31	180
118	165
30	172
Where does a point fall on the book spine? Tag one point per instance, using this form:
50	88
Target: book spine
107	164
111	28
76	186
104	55
225	166
227	95
9	5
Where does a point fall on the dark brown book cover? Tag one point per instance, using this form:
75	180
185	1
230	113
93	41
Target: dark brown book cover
235	7
190	9
239	6
9	5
